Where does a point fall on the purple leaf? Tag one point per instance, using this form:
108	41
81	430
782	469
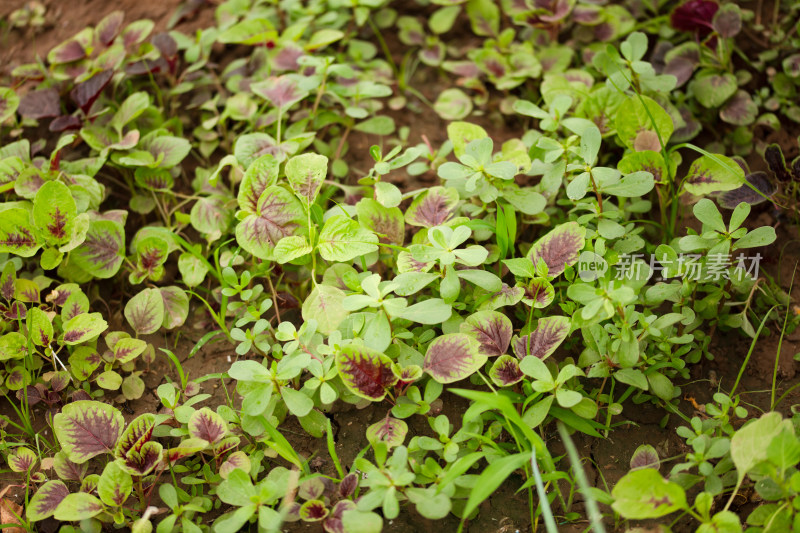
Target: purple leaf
165	44
366	372
86	429
645	456
108	28
43	103
333	524
103	250
207	425
85	93
64	123
348	485
385	222
280	91
492	329
67	52
138	432
142	461
759	180
313	511
539	293
145	311
235	460
68	470
22	460
43	504
262	173
550	332
694	16
740	110
728	20
453	357
560	248
433	207
505	371
773	155
389	430
83	327
279	214
286	58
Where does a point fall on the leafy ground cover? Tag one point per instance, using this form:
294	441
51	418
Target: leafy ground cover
400	266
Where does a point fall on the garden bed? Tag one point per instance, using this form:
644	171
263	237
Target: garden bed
423	235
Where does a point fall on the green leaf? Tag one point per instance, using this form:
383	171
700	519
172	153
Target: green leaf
758	237
324	305
453	104
78	506
114	486
252	31
712	88
305	174
713	173
492	477
145	311
643	494
83	328
54	211
46	500
641	121
102	252
707	213
381	125
87	428
750	444
278	214
17	232
343	239
291	248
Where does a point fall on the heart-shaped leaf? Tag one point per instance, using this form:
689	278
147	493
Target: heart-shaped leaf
433	207
389	430
492	329
366	372
262	173
145	311
102	252
550	332
453	357
305	174
505	371
207	425
278	214
713	173
44	503
83	328
559	248
17	232
87	428
342	239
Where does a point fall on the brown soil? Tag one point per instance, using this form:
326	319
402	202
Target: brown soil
65	19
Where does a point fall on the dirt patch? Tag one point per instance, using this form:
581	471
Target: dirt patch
65	19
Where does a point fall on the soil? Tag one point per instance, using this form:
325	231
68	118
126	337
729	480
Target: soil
506	511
